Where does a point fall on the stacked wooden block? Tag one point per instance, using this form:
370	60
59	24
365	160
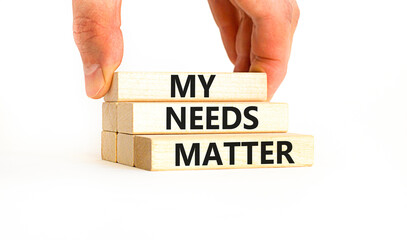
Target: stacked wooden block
179	121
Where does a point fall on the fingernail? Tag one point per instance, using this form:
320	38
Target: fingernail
94	79
256	68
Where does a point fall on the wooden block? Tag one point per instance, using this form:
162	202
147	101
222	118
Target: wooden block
109	146
193	86
109	119
125	154
216	151
167	118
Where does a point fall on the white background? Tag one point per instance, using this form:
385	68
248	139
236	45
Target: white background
346	85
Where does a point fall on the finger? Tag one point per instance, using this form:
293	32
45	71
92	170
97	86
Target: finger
271	38
295	15
97	34
243	44
227	19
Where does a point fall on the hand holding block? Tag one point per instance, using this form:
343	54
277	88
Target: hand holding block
215	151
167	118
161	86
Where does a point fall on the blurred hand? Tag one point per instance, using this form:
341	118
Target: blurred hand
257	35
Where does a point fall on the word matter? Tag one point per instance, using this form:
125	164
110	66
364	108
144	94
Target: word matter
215	151
212	153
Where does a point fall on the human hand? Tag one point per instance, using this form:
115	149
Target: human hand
257	35
96	29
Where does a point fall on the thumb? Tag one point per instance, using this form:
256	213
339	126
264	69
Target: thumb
97	34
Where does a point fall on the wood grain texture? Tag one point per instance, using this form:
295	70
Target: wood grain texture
109	116
151	118
156	86
109	146
159	152
126	151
